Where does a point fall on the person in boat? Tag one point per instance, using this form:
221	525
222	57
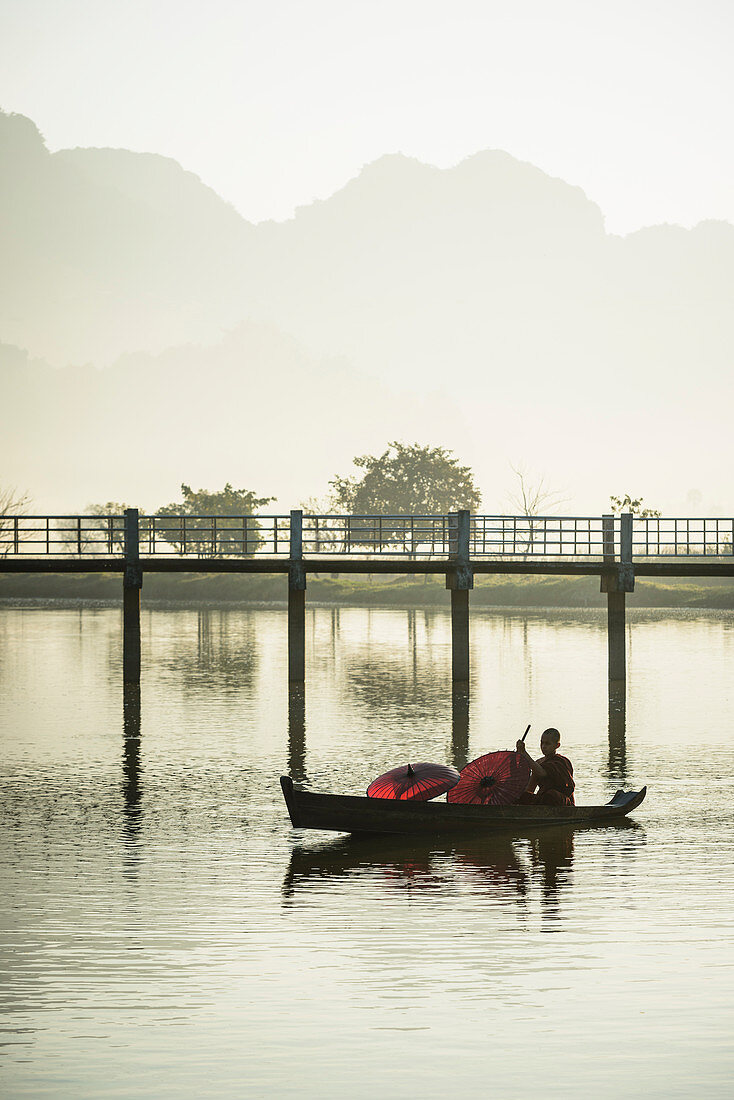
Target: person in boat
551	780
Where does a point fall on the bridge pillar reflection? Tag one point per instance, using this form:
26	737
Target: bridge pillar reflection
297	732
131	746
617	733
459	725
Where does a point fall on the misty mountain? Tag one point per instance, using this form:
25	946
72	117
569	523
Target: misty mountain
105	251
491	285
415	262
409	270
492	271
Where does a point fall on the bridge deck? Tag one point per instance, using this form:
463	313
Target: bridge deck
702	567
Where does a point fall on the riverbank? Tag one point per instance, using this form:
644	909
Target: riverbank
490	591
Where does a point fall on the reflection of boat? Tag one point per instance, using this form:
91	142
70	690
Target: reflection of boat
351	814
402	862
497	861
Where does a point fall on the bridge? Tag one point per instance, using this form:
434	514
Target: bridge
458	545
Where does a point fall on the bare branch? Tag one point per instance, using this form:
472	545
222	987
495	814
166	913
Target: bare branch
532	497
13	503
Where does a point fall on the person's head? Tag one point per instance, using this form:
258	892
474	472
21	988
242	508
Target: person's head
550	739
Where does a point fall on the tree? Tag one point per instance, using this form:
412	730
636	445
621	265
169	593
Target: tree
532	497
633	505
407	480
109	508
108	524
12	504
324	534
212	524
100	531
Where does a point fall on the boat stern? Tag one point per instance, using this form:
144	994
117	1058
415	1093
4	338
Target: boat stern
626	801
286	785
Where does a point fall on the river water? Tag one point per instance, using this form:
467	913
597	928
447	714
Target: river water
165	933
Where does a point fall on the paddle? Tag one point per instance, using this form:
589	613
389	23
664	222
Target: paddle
527	731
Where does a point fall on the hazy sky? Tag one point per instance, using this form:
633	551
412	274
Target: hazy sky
277	103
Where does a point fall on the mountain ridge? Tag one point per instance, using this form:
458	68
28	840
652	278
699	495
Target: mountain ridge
491	287
113	251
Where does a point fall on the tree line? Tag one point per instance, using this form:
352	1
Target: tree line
405	480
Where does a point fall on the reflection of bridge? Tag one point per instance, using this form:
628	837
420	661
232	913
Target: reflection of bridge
458	545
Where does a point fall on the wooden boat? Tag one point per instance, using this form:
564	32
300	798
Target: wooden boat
353	814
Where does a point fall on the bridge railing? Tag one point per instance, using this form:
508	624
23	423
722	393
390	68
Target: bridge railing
682	537
366	536
431	536
543	536
180	535
417	536
62	536
215	536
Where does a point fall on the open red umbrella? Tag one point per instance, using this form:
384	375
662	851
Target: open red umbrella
496	779
417	781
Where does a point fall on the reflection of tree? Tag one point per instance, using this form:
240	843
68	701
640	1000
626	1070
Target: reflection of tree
222	658
410	679
413	693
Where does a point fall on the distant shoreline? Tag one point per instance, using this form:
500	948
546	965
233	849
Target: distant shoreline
194	590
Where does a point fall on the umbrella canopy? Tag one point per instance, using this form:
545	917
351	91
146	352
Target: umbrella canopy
417	781
496	779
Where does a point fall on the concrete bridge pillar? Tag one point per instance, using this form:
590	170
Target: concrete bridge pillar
617	581
460	579
296	603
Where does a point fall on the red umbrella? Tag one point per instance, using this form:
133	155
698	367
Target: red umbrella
417	781
493	780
